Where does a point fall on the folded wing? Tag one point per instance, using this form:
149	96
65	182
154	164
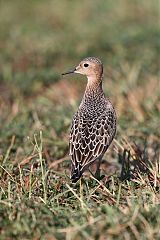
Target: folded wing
89	139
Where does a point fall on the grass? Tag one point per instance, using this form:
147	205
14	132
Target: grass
38	41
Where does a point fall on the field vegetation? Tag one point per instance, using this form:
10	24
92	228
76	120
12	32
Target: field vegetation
38	41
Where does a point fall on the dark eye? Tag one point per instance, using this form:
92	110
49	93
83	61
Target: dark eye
86	64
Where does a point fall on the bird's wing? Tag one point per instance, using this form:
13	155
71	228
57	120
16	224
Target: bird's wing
90	138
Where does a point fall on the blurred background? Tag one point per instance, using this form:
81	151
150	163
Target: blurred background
41	39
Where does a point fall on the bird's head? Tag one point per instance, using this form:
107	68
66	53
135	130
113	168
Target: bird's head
90	67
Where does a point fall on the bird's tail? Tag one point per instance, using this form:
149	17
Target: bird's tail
76	173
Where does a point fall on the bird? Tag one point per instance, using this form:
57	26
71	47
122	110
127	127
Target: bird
94	124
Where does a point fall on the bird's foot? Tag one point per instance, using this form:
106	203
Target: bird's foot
97	175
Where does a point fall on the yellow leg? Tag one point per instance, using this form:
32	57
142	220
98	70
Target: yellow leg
81	188
97	173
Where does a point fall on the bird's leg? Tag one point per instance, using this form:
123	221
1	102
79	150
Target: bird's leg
97	173
81	191
80	187
98	170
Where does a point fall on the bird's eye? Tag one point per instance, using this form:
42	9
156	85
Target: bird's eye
86	64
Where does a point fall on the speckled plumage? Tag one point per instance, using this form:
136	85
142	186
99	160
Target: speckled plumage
94	124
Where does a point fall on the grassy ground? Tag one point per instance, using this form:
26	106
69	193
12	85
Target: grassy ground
38	41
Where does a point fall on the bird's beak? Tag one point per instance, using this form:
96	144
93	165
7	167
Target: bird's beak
70	71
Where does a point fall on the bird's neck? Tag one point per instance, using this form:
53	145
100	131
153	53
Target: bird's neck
94	85
93	93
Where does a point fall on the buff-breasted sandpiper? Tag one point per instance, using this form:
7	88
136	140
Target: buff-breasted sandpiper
94	124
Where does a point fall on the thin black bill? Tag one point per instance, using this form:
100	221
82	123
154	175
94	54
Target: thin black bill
69	72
